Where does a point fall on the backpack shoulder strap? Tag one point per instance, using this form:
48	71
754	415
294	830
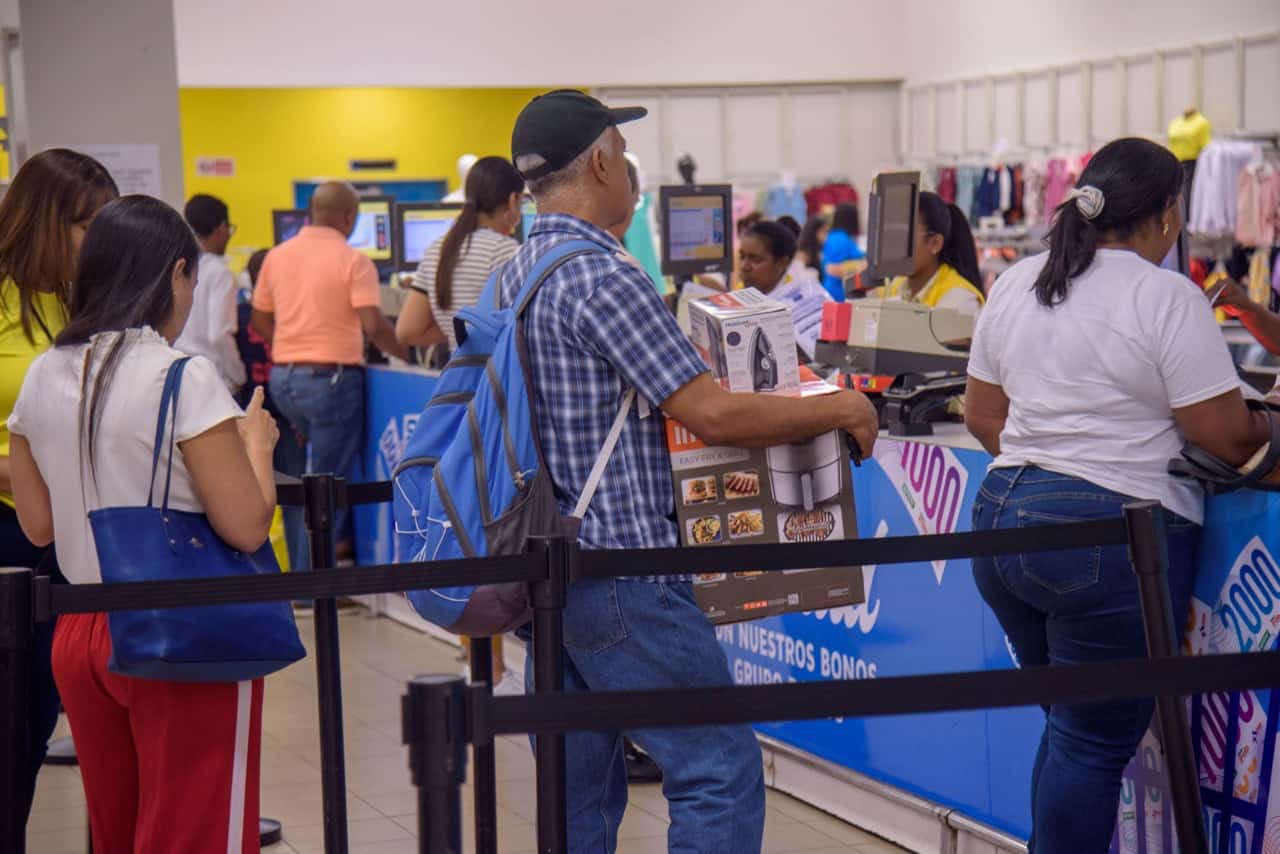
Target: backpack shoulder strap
549	263
602	459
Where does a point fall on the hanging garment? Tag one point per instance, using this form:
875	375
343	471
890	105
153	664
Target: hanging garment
1214	198
1014	214
1058	181
1006	187
829	196
986	199
744	202
1258	204
1260	276
1033	209
780	201
967	178
947	184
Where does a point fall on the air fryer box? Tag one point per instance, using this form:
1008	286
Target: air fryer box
748	341
785	494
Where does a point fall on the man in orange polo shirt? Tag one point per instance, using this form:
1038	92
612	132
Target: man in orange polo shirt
316	301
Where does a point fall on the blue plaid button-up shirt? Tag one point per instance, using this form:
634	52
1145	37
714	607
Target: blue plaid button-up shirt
596	328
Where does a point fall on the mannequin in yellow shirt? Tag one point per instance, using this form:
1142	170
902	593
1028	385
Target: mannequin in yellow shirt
1189	134
946	261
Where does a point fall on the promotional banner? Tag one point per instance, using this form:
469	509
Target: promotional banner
1235	608
394	398
916	618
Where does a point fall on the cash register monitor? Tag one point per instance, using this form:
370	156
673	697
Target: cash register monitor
891	229
697	229
287	223
372	234
418	226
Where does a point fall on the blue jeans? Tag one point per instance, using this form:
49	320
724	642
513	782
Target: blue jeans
1067	607
17	550
290	458
627	635
326	406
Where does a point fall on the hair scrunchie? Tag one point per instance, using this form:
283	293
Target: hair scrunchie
1089	201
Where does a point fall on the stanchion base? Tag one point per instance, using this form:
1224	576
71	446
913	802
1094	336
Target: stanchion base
62	751
270	832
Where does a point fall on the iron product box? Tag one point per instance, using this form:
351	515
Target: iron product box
797	493
748	340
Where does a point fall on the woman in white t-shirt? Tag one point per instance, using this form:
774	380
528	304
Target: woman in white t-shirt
454	270
166	765
1090	367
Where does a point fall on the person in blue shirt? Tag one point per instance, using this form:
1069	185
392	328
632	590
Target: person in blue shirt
839	250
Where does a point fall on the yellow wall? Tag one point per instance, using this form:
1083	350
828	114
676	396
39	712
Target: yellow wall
279	135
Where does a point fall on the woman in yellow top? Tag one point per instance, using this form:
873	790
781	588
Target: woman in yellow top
946	261
43	219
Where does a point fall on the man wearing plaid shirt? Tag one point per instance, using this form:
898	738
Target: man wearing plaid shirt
595	329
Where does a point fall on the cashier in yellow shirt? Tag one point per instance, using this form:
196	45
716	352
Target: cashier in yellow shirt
946	262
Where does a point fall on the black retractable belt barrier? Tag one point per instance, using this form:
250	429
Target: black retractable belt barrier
483	751
442	715
320	491
434	714
1149	553
549	599
16	630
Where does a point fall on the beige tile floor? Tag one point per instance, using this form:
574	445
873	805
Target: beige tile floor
379	656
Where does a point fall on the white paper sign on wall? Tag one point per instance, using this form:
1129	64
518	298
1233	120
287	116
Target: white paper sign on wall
134	166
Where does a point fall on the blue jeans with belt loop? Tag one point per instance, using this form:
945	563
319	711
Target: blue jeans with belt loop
1069	607
327	406
626	634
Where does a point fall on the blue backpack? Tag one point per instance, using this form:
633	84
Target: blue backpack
472	481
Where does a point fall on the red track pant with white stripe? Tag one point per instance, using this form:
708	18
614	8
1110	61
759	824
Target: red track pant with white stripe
167	766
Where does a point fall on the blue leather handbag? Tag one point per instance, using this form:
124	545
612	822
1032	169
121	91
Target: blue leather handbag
215	643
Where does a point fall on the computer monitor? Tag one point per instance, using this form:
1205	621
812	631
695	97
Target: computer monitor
373	232
891	226
418	225
287	223
697	229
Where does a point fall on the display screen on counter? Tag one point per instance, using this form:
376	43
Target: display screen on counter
372	234
422	229
697	228
897	220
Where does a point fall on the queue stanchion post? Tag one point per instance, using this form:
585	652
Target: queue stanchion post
320	492
549	598
434	715
16	631
1149	552
484	756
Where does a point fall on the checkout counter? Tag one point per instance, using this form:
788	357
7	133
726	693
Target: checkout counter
930	782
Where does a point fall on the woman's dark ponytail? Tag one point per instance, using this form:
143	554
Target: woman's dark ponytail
1073	243
958	248
490	185
1127	183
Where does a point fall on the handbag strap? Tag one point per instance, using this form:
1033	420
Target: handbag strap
168	413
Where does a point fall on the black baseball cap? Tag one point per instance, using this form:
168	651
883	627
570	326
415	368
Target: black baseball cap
560	125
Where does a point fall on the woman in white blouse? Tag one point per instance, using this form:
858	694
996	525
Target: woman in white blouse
1090	368
166	765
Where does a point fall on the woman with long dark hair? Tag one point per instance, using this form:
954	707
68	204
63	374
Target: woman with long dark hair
43	219
1090	368
455	269
809	244
169	766
946	261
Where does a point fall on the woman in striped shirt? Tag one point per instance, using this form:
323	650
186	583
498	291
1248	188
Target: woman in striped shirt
455	269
